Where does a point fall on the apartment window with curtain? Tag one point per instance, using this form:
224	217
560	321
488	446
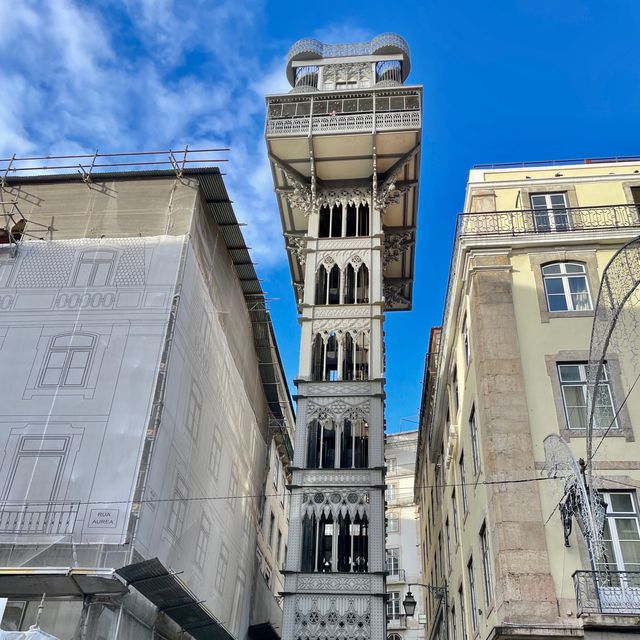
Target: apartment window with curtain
566	287
463	616
393	605
463	485
473	432
473	600
466	345
550	211
456	524
448	541
486	566
573	383
621	536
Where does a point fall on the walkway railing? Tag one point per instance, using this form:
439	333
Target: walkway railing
612	592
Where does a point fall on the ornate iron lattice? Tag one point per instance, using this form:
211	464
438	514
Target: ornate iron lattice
331	620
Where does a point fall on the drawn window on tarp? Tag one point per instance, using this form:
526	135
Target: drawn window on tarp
95	268
67	362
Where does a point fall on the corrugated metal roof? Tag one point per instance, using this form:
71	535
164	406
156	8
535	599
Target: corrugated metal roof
172	597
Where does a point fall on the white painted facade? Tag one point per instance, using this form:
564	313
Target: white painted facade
404	563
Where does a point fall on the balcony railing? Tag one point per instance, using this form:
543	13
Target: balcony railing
607	592
26	519
398	621
396	577
351	113
548	220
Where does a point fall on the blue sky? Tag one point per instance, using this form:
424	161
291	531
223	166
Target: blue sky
504	80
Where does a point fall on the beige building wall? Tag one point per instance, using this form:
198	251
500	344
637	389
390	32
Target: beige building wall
497	368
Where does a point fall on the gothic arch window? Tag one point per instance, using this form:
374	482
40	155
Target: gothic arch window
95	268
321	448
348	357
322	282
362	285
357	222
354	444
67	362
333	288
362	357
343	444
349	296
330	222
330	545
324	358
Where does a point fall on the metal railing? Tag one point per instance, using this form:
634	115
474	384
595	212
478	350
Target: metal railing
25	519
548	220
396	576
398	621
607	592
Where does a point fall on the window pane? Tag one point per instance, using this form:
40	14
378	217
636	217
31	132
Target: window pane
557	200
551	269
539	201
570	373
630	553
51	376
620	503
79	359
627	529
572	267
557	302
554	285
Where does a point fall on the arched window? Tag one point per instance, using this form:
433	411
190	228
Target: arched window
354	444
336	221
317	543
328	285
566	287
321	449
317	359
324	224
363	220
349	296
324	358
394	636
95	268
348	355
335	545
362	357
362	282
321	285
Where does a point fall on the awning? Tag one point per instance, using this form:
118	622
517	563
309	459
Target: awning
32	582
264	631
167	592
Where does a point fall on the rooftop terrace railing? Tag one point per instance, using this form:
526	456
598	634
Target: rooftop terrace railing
607	592
559	220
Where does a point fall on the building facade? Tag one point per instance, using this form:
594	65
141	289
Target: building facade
404	560
145	409
344	147
506	377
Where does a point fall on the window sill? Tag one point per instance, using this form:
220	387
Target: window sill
547	315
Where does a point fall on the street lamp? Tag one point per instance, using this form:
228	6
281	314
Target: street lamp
409	602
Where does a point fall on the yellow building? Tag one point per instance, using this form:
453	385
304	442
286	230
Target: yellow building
507	369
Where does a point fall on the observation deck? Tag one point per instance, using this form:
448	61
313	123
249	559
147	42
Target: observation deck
350	124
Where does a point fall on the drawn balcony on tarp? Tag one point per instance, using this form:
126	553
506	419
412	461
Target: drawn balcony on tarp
38	519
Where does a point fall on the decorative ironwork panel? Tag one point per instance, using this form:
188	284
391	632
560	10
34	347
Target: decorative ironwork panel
613	592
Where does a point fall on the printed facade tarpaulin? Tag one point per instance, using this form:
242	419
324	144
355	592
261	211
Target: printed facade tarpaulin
32	634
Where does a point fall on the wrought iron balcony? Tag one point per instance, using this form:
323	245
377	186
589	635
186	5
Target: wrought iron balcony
607	592
396	577
25	519
548	220
357	112
398	621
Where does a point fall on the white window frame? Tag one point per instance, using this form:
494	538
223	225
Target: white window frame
612	519
392	466
542	202
391	493
66	347
564	277
582	383
393	605
392	561
393	517
463	484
